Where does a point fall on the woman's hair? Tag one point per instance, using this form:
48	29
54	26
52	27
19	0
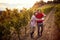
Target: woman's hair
39	10
34	12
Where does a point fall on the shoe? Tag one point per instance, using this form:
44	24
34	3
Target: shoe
31	36
40	35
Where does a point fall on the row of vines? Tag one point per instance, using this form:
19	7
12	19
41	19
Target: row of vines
57	15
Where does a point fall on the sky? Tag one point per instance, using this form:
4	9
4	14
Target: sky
17	3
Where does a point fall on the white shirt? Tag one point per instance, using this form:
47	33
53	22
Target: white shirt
33	20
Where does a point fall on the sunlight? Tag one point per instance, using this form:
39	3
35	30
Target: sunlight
47	0
18	3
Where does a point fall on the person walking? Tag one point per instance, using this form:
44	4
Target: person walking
33	24
39	19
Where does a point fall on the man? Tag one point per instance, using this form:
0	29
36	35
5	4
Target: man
39	18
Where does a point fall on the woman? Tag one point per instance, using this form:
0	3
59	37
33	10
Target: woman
33	24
